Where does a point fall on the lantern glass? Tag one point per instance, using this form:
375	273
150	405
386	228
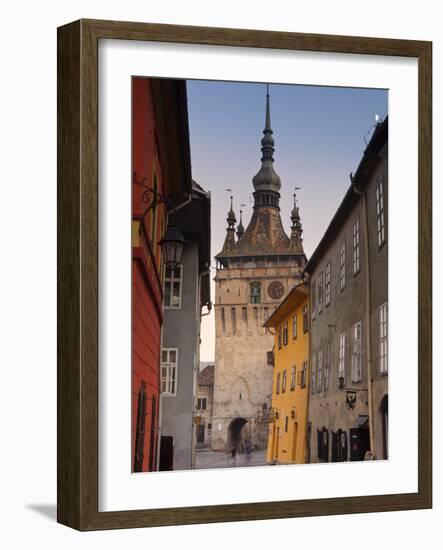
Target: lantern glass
172	245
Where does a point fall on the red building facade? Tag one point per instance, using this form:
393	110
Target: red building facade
161	168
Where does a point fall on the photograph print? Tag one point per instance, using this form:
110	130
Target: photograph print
259	274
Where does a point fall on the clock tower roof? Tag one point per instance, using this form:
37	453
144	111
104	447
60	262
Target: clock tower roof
264	235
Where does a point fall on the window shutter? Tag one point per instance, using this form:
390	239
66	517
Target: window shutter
141	428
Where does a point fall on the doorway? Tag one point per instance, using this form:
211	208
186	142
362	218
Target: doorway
236	433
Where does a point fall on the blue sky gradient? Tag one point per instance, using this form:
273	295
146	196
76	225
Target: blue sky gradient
319	137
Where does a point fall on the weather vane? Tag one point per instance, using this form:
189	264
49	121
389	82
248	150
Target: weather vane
295	194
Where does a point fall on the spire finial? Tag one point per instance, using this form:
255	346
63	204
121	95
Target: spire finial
268	111
240	228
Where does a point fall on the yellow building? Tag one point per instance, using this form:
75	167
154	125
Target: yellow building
287	431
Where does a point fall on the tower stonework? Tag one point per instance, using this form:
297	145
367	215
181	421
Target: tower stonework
254	273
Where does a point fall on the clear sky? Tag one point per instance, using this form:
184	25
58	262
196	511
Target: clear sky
319	137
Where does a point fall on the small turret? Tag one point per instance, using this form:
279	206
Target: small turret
240	228
230	243
295	244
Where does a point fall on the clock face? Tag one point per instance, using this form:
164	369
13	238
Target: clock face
275	290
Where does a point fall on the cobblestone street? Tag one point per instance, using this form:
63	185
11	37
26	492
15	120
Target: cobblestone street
211	459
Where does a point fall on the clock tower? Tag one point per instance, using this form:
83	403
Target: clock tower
254	273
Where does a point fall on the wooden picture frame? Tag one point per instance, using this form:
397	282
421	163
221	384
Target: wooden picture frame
77	458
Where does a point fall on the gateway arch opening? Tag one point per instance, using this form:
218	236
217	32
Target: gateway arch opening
238	433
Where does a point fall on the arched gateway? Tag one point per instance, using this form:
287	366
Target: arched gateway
237	433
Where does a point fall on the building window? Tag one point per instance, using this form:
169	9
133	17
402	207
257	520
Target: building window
356	247
283	382
223	320
169	371
201	403
141	428
356	352
234	320
323	444
313	372
383	332
328	284
305	319
256	313
343	265
303	374
327	368
293	379
380	210
279	337
320	292
339	447
255	293
294	327
313	300
285	333
341	359
172	287
286	423
270	358
320	370
277	385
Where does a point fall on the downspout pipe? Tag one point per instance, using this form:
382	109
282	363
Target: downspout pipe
362	194
307	280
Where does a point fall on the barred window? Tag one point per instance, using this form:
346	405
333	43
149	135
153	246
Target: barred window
380	211
356	247
343	265
356	352
383	332
328	284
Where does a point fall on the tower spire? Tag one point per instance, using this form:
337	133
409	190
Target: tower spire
268	111
266	182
